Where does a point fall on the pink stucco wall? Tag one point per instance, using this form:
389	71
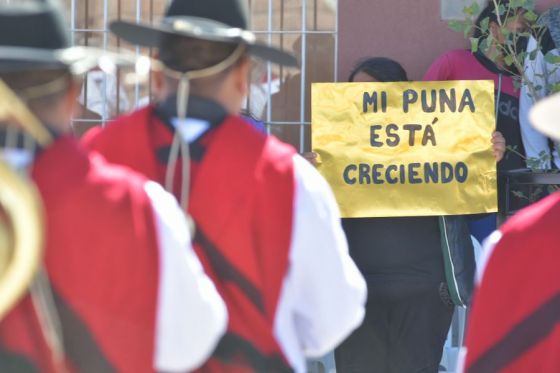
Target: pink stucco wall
409	31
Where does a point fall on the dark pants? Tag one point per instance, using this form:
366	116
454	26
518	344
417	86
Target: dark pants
403	332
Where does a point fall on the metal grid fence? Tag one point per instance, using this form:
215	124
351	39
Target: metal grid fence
308	28
279	98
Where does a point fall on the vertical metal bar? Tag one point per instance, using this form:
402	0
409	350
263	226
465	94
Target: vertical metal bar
269	72
73	41
86	23
303	75
281	70
118	76
73	19
105	23
151	53
137	85
86	41
335	78
250	75
104	114
315	15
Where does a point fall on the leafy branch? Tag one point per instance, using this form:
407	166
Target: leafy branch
504	49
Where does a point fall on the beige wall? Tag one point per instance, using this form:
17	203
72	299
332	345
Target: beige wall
89	14
410	31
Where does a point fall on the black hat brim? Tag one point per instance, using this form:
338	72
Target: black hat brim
78	60
198	28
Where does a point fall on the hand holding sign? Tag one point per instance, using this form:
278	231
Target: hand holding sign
498	145
406	149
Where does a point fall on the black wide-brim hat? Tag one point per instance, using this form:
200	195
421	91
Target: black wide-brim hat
212	20
33	36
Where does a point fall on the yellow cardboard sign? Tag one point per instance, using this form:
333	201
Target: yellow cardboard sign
407	148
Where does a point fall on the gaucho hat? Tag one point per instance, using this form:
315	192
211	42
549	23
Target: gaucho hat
212	20
33	36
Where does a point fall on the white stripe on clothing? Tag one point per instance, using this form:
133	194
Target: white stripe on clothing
191	316
487	249
323	295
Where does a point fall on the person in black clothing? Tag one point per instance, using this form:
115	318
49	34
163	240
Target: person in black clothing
409	309
406	319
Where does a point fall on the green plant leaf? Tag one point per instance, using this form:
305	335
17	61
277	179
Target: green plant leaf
530	16
484	25
484	45
508	60
534	163
529	5
519	194
533	55
517	3
554	88
470	10
551	58
474	44
456	25
502	9
475	7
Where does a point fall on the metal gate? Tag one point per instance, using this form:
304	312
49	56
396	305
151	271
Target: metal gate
280	97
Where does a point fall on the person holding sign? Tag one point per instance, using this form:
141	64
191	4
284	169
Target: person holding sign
409	307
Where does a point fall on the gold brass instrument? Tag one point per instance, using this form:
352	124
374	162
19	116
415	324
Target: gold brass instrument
13	111
21	215
21	237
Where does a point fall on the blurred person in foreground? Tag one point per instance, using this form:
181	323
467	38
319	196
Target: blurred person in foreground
123	289
267	225
514	325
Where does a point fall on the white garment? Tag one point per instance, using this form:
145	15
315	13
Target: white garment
190	129
191	316
259	95
487	250
103	94
323	295
543	75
